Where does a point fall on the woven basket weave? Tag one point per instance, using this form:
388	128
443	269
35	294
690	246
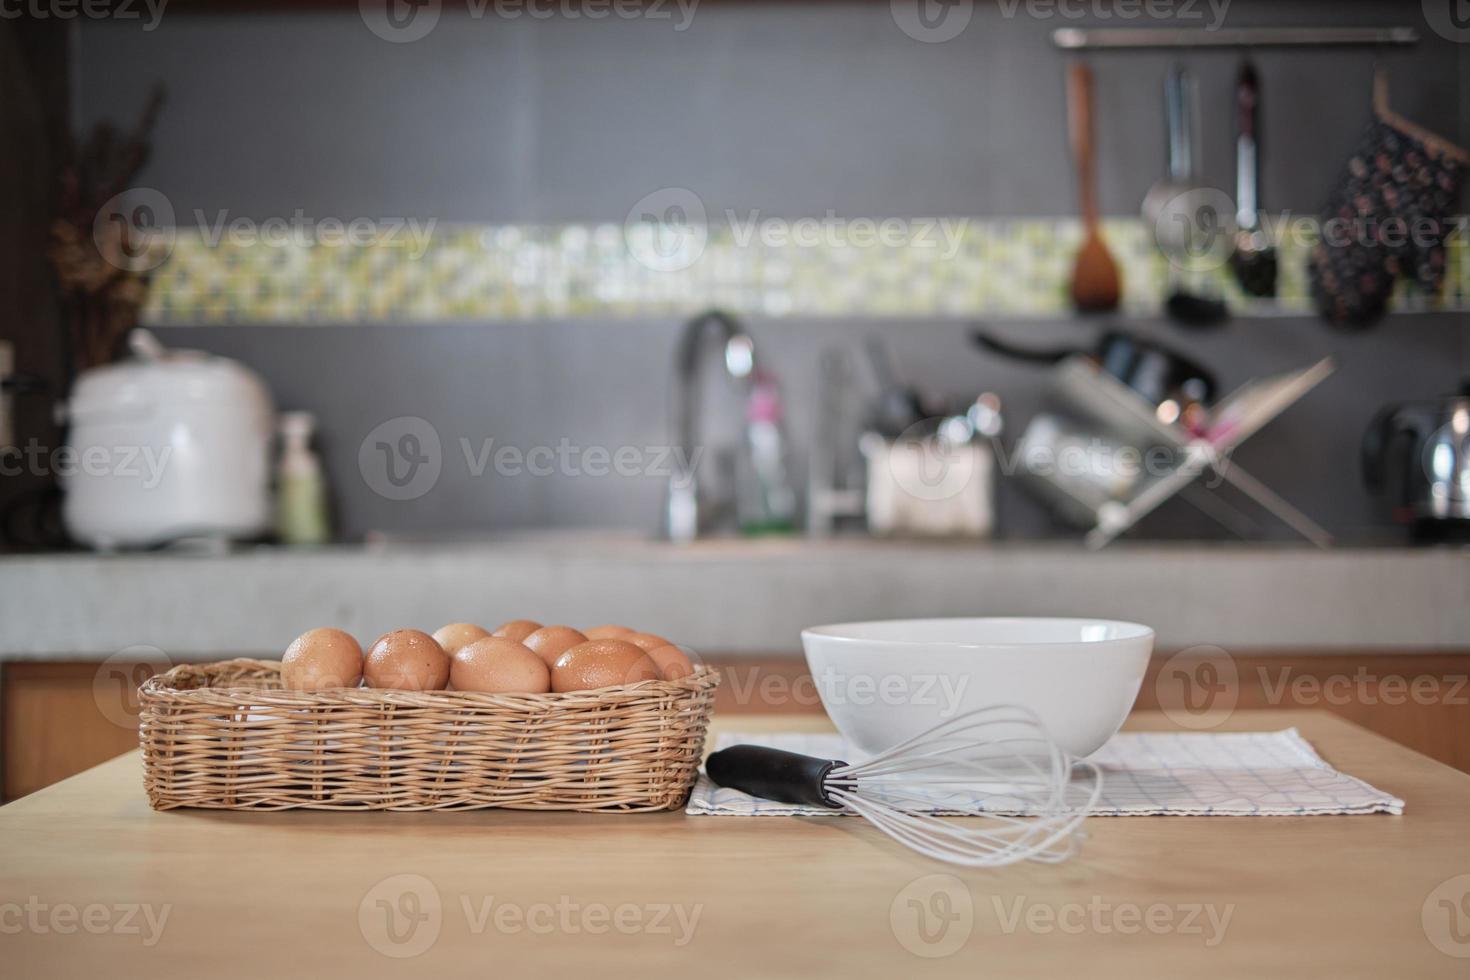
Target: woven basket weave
226	736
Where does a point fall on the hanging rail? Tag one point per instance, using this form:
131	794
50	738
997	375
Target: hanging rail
1077	38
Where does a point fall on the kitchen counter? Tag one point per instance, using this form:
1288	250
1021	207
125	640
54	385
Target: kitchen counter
743	596
221	894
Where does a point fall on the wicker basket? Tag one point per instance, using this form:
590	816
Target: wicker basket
225	735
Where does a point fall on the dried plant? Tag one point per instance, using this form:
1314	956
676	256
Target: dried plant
103	286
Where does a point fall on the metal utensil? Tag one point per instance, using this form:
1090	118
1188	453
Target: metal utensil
1152	370
1254	258
1179	166
1176	212
996	764
899	409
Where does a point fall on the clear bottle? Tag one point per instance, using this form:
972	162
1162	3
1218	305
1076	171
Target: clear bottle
767	501
301	490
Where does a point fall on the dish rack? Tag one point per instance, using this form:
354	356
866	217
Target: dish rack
1111	408
227	736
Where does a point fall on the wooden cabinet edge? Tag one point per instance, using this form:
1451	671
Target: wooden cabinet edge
1375	690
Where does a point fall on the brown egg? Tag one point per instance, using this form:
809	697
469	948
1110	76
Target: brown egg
550	642
671	662
407	660
456	635
601	663
645	641
607	632
517	629
321	659
499	666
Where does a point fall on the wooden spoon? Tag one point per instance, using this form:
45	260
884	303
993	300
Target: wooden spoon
1096	286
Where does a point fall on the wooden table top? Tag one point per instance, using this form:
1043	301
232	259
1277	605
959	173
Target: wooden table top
93	882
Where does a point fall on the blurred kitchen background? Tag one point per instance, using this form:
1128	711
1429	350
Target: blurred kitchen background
559	207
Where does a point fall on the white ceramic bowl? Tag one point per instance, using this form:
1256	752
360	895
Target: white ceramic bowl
883	682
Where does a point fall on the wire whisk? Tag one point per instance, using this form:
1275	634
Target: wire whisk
1025	798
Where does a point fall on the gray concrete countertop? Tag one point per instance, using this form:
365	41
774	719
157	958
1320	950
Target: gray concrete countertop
730	596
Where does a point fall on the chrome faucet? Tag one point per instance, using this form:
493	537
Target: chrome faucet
688	511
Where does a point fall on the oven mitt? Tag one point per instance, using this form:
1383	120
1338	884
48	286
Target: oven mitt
1387	217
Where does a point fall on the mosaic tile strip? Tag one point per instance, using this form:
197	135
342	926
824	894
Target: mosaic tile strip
986	267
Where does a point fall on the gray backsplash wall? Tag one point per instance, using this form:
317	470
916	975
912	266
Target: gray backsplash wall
791	109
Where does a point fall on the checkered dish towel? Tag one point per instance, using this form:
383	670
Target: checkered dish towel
1264	774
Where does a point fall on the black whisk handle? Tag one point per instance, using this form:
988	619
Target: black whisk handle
773	774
